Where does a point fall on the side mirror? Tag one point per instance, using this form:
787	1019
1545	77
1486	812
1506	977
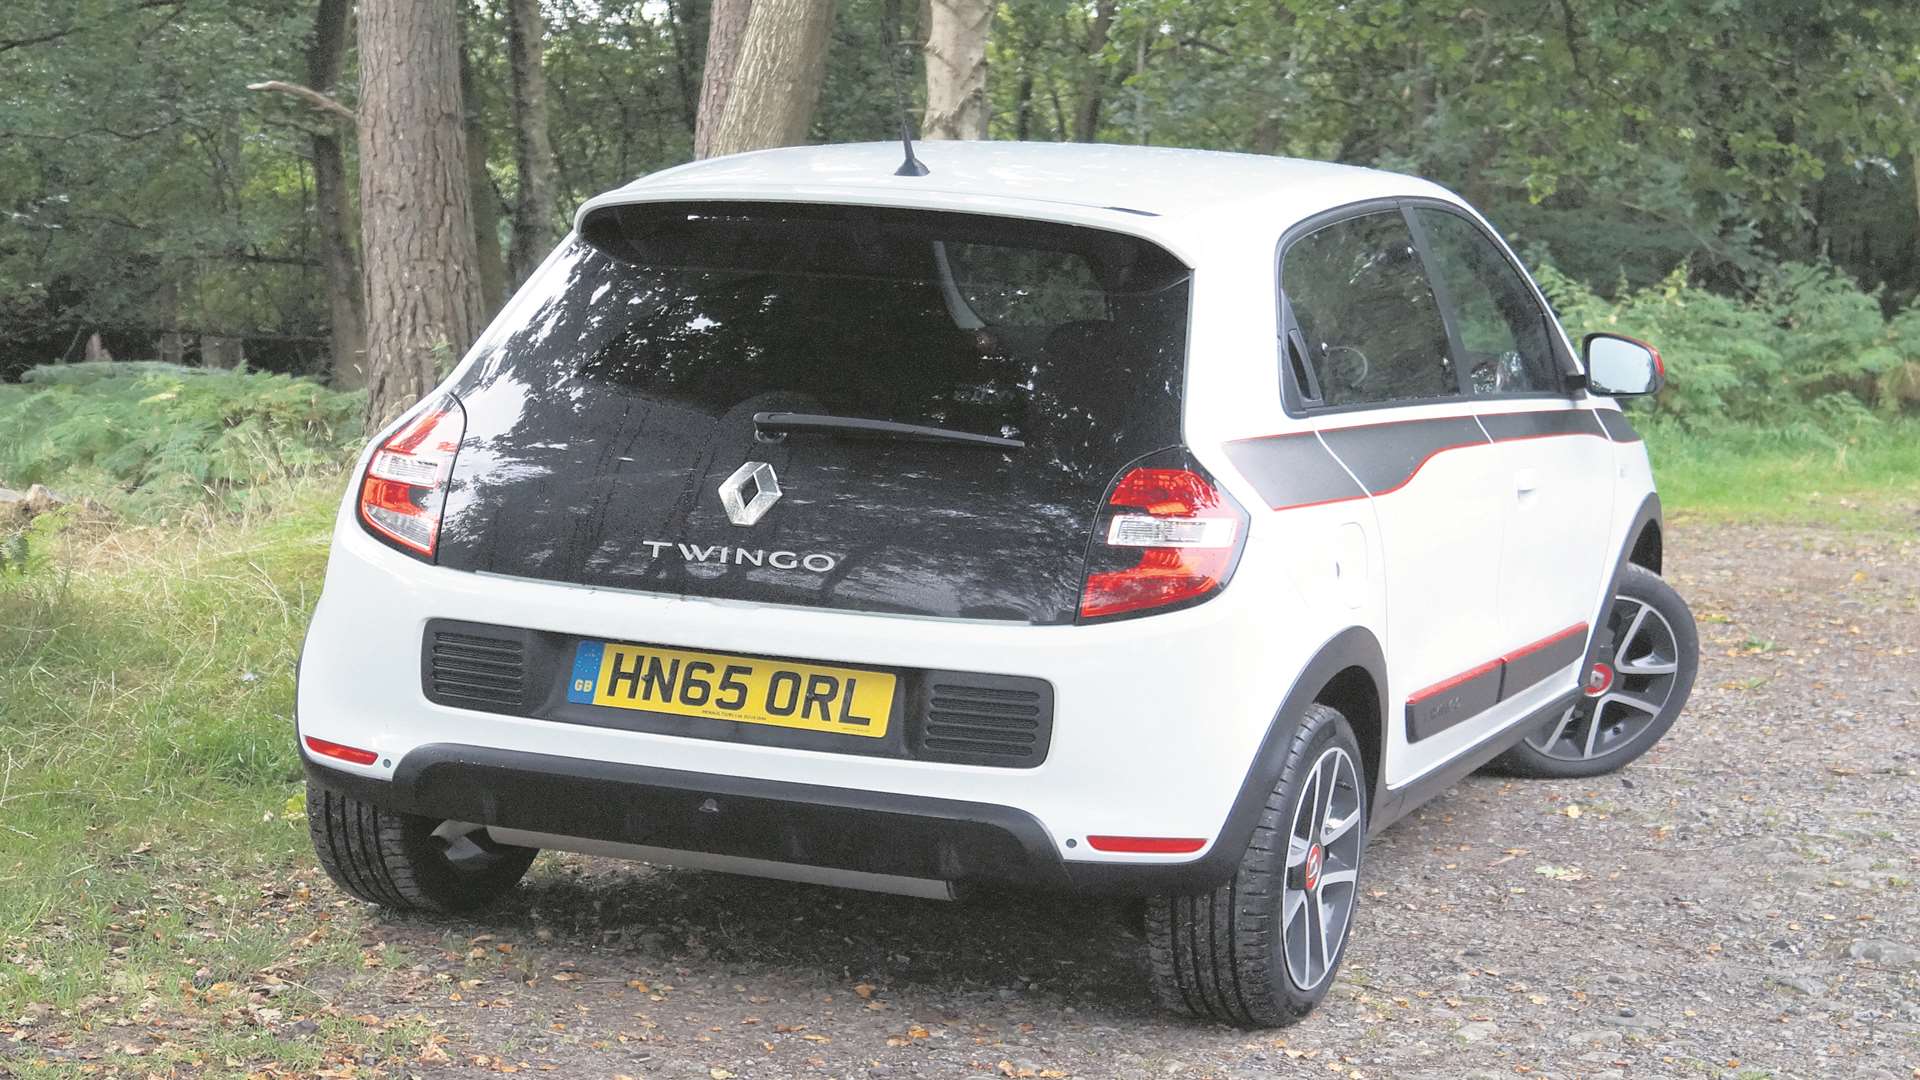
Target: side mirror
1621	366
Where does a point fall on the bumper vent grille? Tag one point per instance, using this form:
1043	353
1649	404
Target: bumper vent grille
476	672
972	719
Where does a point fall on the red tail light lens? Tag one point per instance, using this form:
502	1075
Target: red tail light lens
344	753
405	487
1169	537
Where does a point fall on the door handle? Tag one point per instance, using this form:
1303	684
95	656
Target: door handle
1526	481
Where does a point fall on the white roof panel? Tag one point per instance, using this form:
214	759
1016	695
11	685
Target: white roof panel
1187	200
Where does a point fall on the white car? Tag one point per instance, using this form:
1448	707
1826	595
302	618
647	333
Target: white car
1121	520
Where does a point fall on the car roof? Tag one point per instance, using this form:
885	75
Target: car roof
1179	198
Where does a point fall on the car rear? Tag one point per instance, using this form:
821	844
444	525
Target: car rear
809	535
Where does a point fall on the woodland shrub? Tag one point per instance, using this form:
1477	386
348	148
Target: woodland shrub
1809	351
152	440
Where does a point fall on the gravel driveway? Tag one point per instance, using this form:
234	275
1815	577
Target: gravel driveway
1741	902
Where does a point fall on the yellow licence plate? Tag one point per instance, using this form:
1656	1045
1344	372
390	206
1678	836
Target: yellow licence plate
742	689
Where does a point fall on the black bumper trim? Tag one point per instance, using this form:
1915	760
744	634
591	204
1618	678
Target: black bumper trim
840	828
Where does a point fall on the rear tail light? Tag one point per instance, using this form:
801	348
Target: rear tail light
1168	538
405	487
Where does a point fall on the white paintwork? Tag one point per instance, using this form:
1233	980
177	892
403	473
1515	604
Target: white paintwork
1158	718
1560	524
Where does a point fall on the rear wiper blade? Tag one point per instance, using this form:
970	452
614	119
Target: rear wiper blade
822	424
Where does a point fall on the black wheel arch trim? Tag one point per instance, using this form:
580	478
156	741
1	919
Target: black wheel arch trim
1354	647
1648	516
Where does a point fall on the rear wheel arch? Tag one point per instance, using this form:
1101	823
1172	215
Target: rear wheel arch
1354	692
1348	674
1646	550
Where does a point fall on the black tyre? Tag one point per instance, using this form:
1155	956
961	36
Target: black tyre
409	863
1648	657
1262	950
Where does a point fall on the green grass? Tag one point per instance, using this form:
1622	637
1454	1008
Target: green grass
1870	480
153	852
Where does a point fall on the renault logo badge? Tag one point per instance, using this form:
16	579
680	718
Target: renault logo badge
766	491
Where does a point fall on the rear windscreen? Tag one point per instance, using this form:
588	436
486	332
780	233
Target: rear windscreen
1068	338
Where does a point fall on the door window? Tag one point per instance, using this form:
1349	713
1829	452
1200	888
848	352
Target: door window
1367	319
1504	343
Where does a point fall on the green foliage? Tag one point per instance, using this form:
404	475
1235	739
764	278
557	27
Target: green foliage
1624	137
150	440
24	547
141	185
1810	350
142	188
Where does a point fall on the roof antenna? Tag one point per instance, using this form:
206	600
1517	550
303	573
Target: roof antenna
890	41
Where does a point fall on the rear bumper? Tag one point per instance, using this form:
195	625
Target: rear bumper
1157	724
798	824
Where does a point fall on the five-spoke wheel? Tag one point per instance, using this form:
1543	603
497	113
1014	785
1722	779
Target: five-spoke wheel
1263	948
1323	868
1646	658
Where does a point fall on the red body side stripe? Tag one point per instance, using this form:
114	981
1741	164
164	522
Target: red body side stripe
1475	672
1553	639
1466	676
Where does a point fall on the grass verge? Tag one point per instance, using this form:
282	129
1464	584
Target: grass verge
1867	481
158	906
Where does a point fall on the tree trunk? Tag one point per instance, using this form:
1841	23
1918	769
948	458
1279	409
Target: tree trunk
346	303
726	31
776	81
333	212
533	212
682	15
1023	107
423	299
957	69
172	348
1915	170
1087	103
488	209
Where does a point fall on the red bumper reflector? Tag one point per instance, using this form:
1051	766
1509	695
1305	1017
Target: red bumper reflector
1146	845
344	753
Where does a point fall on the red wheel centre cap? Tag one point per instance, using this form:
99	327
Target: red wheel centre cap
1600	679
1316	856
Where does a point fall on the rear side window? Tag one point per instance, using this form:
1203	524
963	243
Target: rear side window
1367	319
1503	331
1071	339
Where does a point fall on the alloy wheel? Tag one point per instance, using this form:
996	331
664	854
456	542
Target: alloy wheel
1323	868
1622	696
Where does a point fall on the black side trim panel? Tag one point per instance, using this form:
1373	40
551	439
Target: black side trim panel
1441	706
1293	470
1505	427
1528	668
1615	423
1446	703
1395	803
1385	456
1298	469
